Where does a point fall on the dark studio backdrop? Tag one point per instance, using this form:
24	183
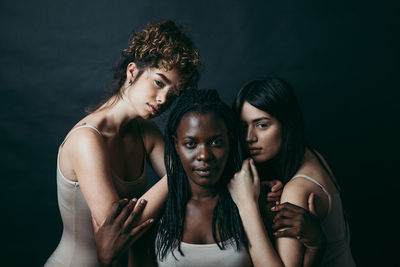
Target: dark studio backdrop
340	56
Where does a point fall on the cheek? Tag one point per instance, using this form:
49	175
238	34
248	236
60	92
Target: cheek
186	158
272	142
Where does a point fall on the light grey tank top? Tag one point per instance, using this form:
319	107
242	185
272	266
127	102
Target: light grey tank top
207	255
77	245
336	230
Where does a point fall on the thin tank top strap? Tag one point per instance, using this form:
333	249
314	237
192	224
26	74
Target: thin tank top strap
320	185
84	125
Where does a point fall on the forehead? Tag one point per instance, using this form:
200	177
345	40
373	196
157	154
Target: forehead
250	112
195	124
172	75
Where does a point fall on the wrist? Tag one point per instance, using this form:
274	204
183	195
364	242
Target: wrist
248	208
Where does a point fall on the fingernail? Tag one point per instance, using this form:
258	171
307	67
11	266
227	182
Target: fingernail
134	199
151	220
143	201
273	208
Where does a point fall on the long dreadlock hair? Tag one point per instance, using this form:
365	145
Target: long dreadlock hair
226	215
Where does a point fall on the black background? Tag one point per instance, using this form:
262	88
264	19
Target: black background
340	56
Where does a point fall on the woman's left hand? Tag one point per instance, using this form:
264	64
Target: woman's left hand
245	185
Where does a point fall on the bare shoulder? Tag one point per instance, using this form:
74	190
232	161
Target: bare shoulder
296	191
82	139
317	167
81	147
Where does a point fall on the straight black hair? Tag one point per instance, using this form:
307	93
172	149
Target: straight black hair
226	216
277	98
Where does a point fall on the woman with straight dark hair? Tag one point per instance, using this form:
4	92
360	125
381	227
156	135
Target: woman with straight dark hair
273	136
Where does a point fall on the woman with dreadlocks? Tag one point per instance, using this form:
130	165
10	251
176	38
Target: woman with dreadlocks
201	225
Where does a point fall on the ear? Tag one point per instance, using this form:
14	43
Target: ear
131	71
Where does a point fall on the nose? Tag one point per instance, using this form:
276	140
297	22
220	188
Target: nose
162	97
203	153
251	137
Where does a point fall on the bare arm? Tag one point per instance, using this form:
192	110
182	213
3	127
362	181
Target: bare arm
245	190
297	251
295	222
157	194
89	160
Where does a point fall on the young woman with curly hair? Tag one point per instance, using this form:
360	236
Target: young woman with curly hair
103	158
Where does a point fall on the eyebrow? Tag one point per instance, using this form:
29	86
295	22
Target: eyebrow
261	118
164	77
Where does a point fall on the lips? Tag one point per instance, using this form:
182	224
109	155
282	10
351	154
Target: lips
203	171
154	109
254	150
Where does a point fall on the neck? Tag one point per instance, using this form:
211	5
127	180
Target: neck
203	193
115	117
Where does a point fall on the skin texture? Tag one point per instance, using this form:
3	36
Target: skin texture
262	133
203	155
119	231
88	158
245	192
263	139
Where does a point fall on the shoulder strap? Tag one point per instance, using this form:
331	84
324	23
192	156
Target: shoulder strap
320	185
84	125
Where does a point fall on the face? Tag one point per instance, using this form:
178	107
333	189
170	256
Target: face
202	144
153	92
262	132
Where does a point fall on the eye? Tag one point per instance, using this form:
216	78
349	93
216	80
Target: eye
159	83
262	125
190	144
217	142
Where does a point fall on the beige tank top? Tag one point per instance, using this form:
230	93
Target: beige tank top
207	255
336	230
77	245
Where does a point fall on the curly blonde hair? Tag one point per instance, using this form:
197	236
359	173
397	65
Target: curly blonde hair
161	45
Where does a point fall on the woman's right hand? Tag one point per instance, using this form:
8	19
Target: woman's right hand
244	187
294	221
119	230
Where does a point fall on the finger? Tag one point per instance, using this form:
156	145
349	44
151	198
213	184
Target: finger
273	199
288	206
289	232
124	213
256	179
139	230
115	210
285	213
135	214
277	187
129	218
246	165
311	204
274	194
285	222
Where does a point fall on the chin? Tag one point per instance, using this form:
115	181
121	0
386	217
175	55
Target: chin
260	158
